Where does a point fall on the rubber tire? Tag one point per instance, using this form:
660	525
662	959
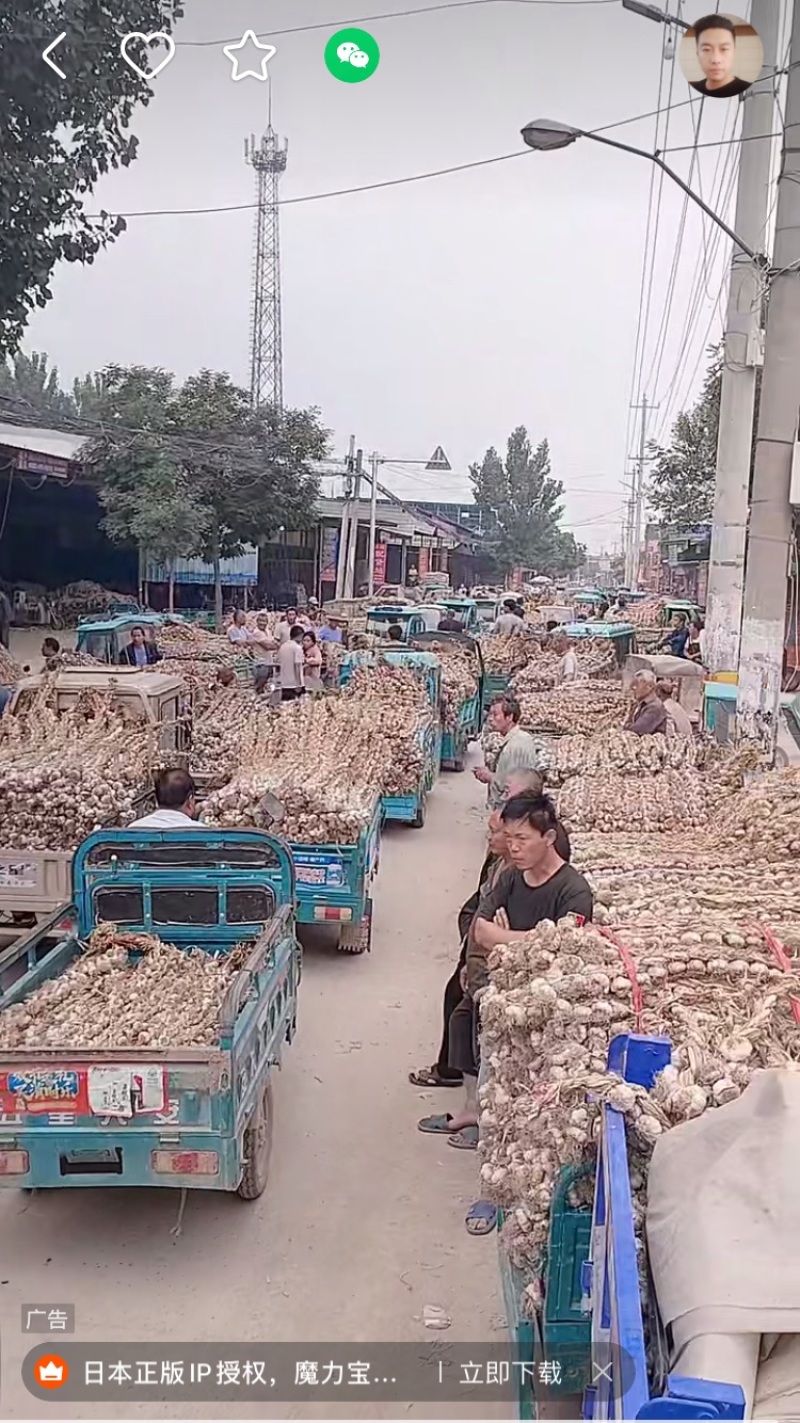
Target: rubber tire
257	1148
361	941
419	819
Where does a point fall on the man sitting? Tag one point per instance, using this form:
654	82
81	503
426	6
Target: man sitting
647	716
176	798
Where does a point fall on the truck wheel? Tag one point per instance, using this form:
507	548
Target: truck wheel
257	1148
419	819
357	938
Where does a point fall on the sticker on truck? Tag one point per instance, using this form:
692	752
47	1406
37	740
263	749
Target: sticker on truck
319	870
18	874
97	1091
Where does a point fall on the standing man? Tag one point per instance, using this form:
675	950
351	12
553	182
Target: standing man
568	666
509	620
330	631
678	723
647	716
287	622
238	631
520	751
291	665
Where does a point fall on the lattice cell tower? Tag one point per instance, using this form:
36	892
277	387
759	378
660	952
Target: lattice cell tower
266	354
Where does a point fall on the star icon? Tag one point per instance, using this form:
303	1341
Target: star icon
234	54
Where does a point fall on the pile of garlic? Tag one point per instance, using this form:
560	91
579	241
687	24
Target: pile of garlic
595	656
323	762
625	897
555	1001
764	818
460	678
10	671
108	999
63	776
616	751
505	654
575	708
664	801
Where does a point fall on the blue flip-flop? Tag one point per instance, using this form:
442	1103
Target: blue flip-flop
481	1218
439	1125
464	1140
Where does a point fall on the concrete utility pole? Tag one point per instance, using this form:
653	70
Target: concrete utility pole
352	542
373	518
344	527
771	527
741	359
639	500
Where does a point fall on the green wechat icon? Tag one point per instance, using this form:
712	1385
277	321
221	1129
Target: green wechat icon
352	55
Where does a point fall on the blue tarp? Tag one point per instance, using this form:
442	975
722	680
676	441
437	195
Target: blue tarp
242	570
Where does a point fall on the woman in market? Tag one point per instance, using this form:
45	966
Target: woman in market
312	662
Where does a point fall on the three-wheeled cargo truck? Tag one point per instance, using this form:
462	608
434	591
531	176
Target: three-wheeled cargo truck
456	735
183	1116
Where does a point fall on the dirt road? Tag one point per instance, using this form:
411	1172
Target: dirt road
362	1223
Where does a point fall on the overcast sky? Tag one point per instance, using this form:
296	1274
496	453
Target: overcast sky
440	312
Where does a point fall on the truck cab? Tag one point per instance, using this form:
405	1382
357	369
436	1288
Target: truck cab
105	638
411	620
158	698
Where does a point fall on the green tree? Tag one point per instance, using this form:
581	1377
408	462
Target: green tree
568	555
521	503
29	383
681	489
59	136
194	471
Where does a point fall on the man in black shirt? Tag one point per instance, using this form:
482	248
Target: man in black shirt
715	38
441	1073
540	886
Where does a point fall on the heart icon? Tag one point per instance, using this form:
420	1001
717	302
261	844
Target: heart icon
147	40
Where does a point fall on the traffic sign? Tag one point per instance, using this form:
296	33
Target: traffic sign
438	460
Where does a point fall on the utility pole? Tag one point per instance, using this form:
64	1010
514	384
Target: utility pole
639	500
373	519
771	526
344	527
352	542
742	355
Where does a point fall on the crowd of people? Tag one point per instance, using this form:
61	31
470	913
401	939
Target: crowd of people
293	656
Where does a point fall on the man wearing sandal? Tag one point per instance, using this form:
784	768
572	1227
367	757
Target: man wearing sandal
440	1073
457	1062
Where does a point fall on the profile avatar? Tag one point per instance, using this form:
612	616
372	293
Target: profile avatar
728	55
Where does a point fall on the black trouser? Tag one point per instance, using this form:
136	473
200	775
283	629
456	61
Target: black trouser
463	1037
453	995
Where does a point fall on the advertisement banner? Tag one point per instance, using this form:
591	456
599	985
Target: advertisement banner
380	564
329	556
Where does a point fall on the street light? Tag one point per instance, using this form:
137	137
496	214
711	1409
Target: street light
652	12
546	134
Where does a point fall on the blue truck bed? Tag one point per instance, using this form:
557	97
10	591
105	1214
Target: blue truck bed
183	1116
332	885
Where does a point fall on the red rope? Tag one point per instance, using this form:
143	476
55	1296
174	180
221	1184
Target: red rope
630	969
781	958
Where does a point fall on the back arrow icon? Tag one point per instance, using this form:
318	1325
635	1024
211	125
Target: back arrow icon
51	62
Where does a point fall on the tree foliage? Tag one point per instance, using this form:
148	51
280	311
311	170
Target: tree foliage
30	385
192	470
681	489
59	136
521	502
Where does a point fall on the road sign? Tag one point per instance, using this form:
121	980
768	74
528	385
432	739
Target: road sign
438	460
